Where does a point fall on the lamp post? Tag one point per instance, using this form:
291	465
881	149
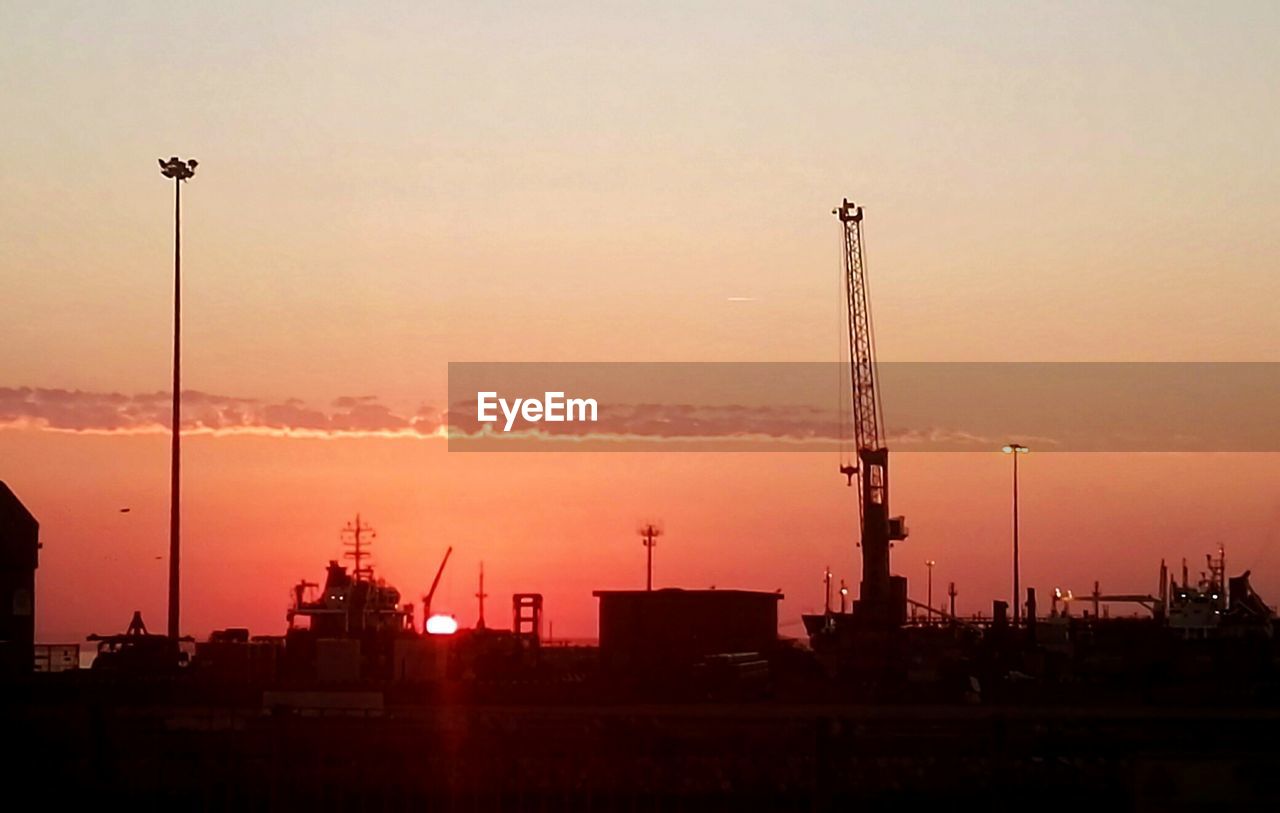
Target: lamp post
179	171
649	534
929	564
1015	449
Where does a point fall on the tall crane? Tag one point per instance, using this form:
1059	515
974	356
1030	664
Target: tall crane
878	530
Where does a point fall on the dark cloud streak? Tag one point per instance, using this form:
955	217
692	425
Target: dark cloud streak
113	412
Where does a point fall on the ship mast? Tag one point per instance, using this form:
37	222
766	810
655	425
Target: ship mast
357	536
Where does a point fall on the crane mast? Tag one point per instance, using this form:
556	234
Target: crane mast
876	599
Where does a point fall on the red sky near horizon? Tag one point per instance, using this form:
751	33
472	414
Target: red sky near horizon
262	513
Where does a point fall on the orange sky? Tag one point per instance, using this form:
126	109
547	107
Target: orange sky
382	192
262	513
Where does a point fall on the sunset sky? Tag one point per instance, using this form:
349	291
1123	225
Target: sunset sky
384	189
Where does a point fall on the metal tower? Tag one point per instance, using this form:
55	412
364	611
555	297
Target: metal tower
180	171
878	529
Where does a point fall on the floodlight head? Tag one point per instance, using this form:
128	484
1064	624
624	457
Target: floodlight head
178	169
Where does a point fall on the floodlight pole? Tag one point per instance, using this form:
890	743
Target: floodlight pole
175	461
179	171
1015	449
929	564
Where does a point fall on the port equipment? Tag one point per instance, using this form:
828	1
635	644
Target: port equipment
649	534
180	172
19	557
526	617
426	600
871	466
1015	450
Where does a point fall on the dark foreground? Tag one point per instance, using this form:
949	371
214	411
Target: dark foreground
641	757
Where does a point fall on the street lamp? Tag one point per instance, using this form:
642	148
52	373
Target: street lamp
1015	449
929	564
179	171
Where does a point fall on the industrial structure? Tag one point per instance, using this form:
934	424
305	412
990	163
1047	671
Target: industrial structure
19	558
881	605
882	599
668	630
179	171
876	646
137	651
353	647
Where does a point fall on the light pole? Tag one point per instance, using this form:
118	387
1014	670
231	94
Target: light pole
179	171
649	533
1015	449
826	583
929	564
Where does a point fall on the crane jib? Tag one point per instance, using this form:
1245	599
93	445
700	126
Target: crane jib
866	400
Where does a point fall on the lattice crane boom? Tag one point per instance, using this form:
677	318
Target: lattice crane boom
866	400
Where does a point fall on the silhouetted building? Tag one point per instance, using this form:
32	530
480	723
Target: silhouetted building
670	629
19	554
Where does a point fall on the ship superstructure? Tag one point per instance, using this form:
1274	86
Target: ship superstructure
350	603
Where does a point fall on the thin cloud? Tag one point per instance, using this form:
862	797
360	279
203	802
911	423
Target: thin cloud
81	411
107	413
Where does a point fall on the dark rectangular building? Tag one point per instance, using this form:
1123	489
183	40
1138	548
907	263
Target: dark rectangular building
19	554
644	631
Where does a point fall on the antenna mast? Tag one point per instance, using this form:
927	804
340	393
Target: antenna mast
358	537
649	533
482	595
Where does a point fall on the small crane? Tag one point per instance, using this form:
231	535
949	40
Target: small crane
426	600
